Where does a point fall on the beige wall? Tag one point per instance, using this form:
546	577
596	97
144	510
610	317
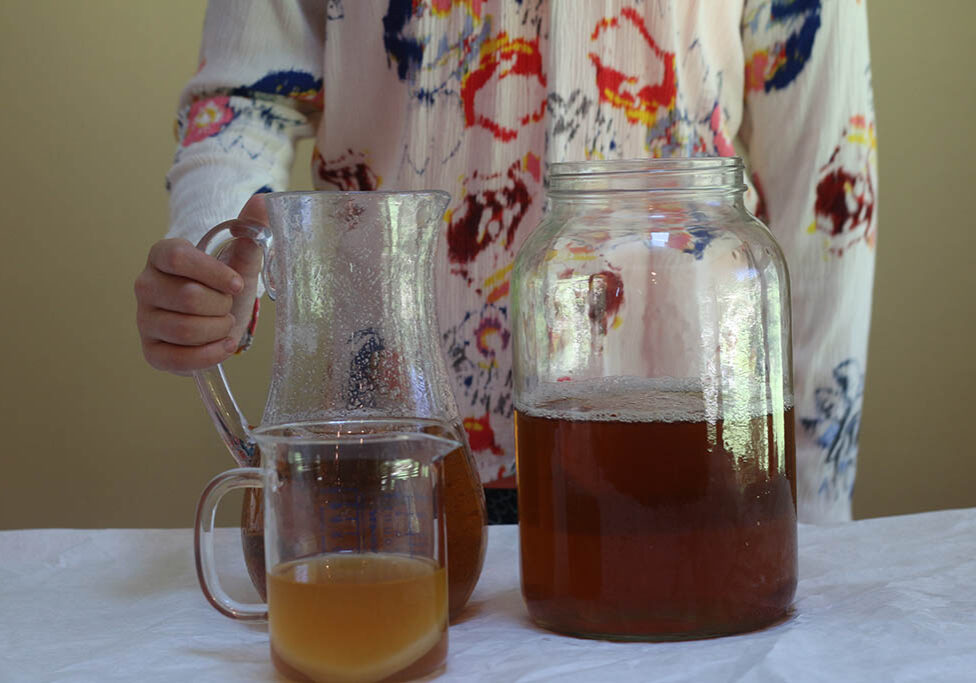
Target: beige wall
93	437
916	453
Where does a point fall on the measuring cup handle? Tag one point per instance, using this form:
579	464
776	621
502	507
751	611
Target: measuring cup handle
212	382
203	543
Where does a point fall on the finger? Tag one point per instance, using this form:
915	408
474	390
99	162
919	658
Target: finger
156	289
185	359
179	257
184	330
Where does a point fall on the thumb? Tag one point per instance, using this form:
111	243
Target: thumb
243	255
255	211
246	258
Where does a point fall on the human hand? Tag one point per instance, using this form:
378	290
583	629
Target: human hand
192	309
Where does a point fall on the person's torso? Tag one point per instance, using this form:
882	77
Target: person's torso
476	97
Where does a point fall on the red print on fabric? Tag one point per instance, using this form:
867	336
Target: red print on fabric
493	207
844	208
481	436
207	118
641	100
605	307
349	171
722	144
442	8
501	59
491	330
845	201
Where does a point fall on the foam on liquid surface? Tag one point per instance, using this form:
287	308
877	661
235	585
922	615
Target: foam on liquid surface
640	399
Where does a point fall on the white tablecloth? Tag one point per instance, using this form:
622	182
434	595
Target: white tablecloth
888	599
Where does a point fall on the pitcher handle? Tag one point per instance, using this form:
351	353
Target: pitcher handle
227	417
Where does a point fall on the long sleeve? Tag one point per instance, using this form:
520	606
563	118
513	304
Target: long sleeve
258	89
809	132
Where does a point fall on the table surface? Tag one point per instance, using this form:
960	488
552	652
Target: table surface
887	599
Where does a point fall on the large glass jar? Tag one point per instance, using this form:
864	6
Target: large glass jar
654	407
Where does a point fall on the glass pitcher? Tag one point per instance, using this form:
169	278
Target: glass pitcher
654	405
355	339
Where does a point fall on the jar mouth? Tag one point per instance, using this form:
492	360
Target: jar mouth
669	174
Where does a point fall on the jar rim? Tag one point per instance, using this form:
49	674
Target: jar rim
667	174
649	165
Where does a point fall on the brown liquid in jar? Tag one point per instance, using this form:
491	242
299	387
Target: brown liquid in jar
656	529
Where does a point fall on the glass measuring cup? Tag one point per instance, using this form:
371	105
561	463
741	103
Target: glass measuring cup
355	546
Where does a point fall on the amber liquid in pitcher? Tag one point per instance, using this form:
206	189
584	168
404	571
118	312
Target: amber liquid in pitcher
651	526
464	504
347	617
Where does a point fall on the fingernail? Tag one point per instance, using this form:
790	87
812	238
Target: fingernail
237	284
230	345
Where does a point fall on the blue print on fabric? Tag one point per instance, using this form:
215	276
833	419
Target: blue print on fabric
298	84
366	361
334	11
837	426
408	53
701	238
799	44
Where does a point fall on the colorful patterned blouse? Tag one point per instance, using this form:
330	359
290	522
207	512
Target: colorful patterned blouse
477	96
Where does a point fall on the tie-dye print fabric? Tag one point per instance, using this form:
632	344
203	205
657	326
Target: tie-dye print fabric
478	96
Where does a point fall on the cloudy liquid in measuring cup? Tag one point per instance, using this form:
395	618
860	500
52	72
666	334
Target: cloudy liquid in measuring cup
641	518
358	617
464	505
